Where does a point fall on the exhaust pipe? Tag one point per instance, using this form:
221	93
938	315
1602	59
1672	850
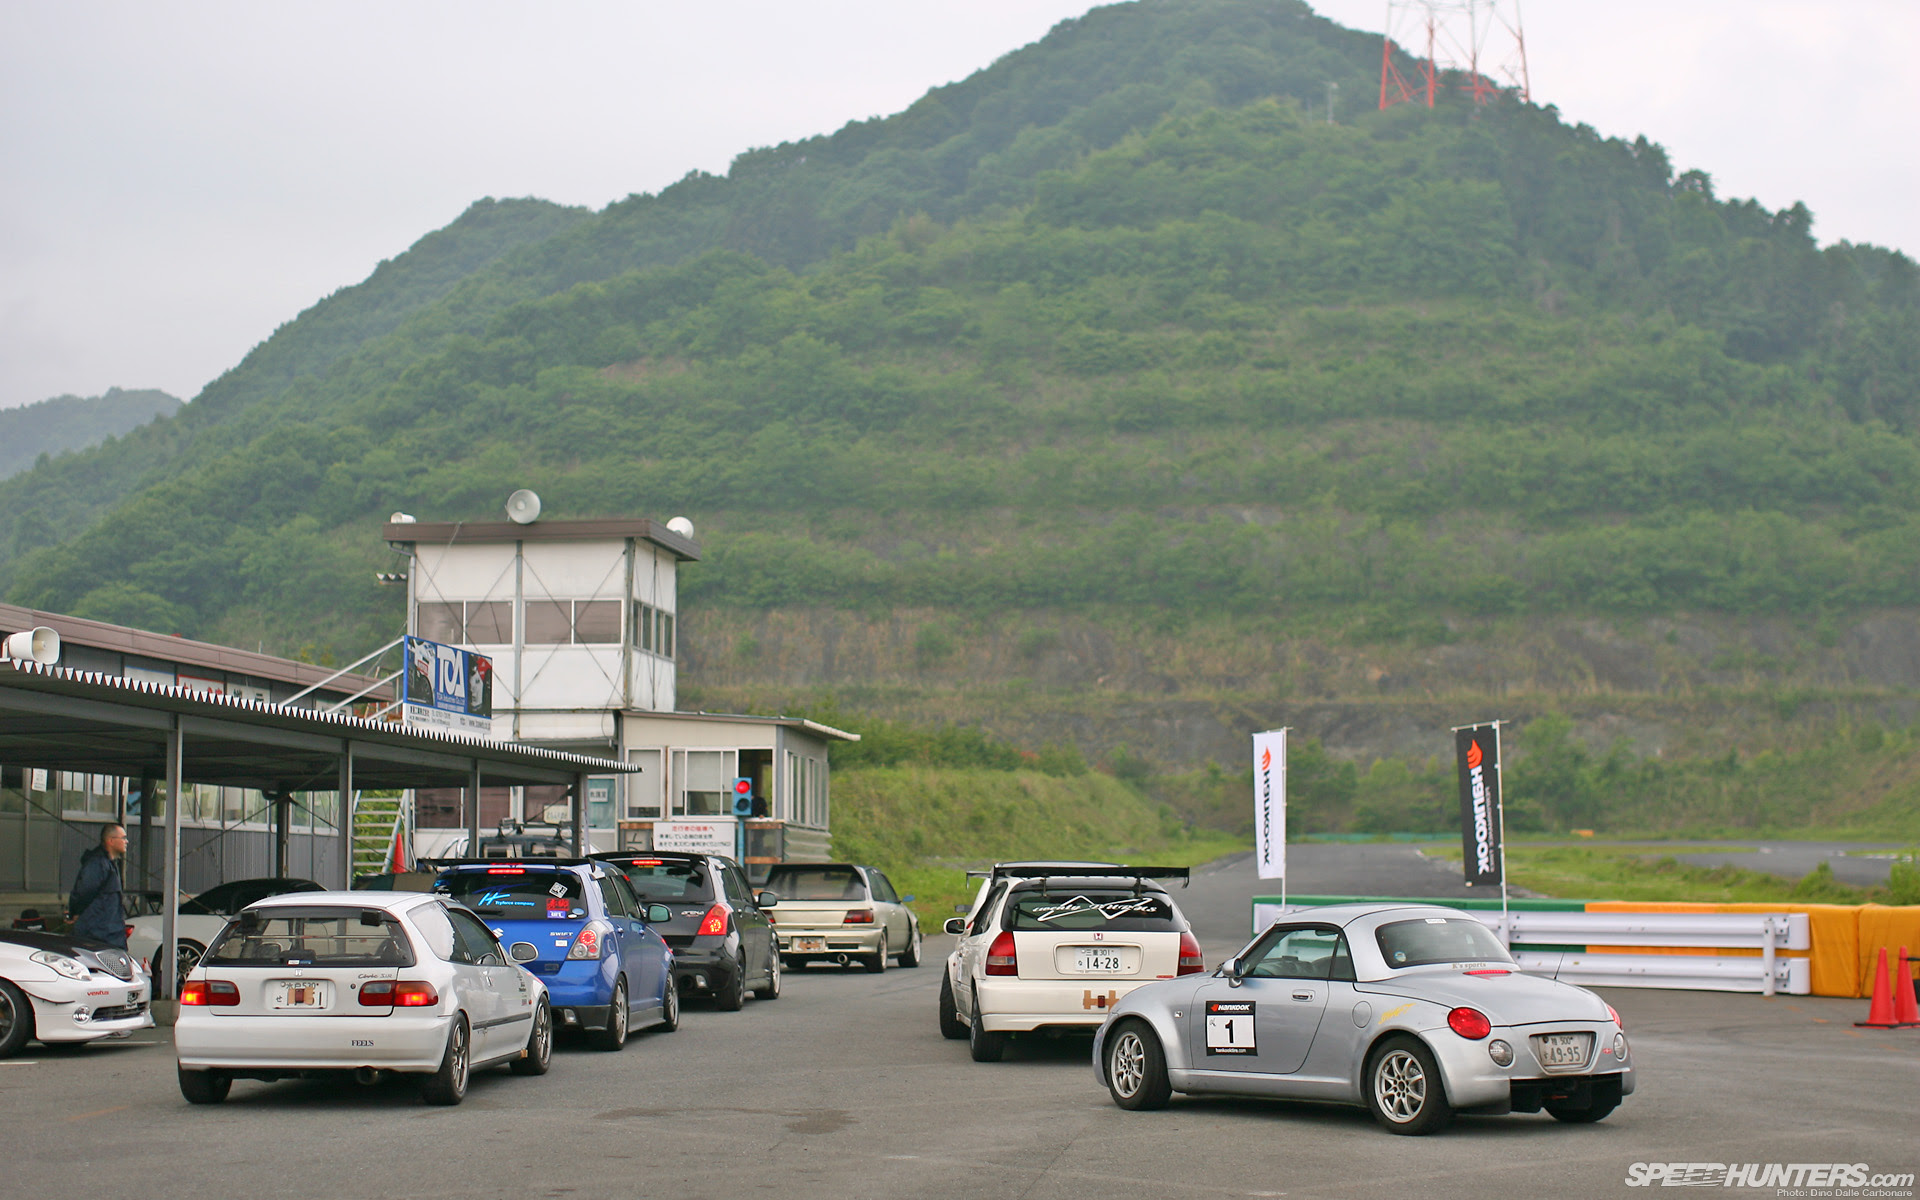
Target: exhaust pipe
366	1076
841	959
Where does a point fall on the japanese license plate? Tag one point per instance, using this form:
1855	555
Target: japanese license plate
1561	1049
299	993
809	945
1096	960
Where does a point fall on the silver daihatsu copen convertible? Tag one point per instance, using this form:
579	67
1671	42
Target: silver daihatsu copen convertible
1415	1011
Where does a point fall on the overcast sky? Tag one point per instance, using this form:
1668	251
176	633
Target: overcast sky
178	178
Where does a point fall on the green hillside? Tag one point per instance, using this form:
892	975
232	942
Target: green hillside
1116	340
64	423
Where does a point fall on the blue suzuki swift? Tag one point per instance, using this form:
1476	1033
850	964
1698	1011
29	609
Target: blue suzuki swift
605	968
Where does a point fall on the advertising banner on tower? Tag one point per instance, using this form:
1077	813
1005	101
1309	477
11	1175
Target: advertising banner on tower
445	687
1270	803
1477	748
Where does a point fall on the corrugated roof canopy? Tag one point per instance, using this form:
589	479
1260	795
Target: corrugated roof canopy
59	719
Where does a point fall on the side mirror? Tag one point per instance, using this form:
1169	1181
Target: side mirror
1230	970
955	925
765	899
523	952
658	914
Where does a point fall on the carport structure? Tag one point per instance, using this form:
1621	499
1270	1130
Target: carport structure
59	719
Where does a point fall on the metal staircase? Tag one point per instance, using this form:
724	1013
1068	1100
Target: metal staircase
374	817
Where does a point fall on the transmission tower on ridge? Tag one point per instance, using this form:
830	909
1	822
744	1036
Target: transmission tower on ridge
1480	39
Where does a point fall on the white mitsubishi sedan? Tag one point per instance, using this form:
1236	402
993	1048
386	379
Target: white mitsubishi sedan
359	982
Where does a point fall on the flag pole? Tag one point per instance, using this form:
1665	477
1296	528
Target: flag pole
1500	817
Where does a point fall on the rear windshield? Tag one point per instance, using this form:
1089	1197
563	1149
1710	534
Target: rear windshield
313	937
527	896
668	879
1439	940
1123	912
816	883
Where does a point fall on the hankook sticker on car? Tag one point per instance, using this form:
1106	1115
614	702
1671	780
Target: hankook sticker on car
1230	1027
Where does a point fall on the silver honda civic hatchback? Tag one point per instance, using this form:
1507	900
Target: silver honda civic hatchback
361	984
1416	1012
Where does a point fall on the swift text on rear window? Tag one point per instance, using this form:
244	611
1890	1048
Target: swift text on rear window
816	883
1124	912
1429	940
313	937
534	896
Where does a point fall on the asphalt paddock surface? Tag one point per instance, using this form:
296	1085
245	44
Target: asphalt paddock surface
844	1088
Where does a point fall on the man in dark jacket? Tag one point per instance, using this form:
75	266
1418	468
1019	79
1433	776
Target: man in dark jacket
94	904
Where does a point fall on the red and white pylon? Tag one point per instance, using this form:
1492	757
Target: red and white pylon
1480	39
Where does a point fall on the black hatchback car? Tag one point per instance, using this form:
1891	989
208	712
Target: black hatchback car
723	944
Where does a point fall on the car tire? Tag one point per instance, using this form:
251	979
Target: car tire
772	989
1136	1068
984	1046
186	956
734	998
1403	1088
877	962
448	1085
205	1087
614	1036
16	1019
910	957
538	1055
951	1026
670	1006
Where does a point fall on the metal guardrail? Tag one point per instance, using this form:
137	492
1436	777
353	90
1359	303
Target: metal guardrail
1536	940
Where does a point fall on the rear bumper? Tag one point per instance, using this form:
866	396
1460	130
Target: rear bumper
1022	1005
832	940
392	1043
1474	1082
704	969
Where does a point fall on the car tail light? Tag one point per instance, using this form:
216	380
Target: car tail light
593	940
216	993
858	916
414	993
714	924
1469	1023
1001	959
1615	1017
1192	962
126	932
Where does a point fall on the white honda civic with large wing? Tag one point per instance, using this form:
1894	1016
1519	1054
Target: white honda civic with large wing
1053	947
360	983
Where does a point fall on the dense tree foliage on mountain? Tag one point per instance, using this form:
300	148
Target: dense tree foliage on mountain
1115	322
64	423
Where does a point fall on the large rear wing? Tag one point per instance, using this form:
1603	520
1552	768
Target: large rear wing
1183	874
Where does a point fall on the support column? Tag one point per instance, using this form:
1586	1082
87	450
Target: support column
163	971
282	831
579	815
473	810
344	811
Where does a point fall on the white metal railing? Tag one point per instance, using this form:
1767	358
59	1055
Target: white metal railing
1766	972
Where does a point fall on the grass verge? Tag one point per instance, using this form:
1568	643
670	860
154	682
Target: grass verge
1583	873
926	826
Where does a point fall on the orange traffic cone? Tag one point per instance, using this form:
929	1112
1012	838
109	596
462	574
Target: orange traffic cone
1880	1008
1906	1010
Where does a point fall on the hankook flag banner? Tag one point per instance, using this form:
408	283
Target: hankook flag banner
1478	751
1270	803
